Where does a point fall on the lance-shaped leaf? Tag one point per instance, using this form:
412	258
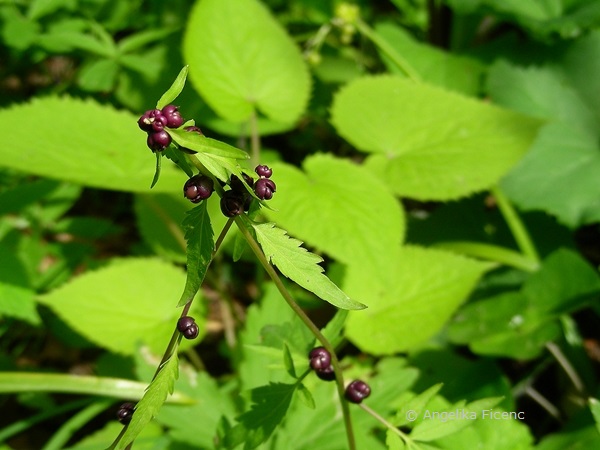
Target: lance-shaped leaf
203	144
200	245
153	399
299	265
175	89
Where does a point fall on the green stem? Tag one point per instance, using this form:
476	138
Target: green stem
388	50
390	426
310	325
176	336
491	253
254	141
516	226
566	365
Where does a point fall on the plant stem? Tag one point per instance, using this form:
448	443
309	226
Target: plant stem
566	365
254	140
311	326
380	419
176	336
516	226
388	50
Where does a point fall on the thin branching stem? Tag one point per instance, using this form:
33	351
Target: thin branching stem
516	226
311	326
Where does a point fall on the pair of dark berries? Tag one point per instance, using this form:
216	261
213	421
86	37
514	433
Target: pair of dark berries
154	122
187	326
320	362
236	200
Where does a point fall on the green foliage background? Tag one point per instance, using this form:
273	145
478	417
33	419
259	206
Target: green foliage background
440	158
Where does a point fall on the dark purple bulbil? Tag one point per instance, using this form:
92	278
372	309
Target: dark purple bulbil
154	122
158	141
264	188
198	188
232	203
263	171
187	326
357	391
174	119
320	358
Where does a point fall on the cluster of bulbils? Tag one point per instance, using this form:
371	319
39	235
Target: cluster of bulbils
320	362
154	122
237	199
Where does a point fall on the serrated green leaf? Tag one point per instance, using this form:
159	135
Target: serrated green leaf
299	265
338	207
420	290
541	92
12	382
443	146
561	156
200	245
269	407
85	143
243	60
174	90
203	144
288	362
148	407
128	302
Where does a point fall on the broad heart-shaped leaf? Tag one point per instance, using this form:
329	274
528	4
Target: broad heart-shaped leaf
242	60
338	207
200	245
559	176
83	142
128	302
542	92
173	92
270	404
299	265
430	144
427	287
148	407
435	66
